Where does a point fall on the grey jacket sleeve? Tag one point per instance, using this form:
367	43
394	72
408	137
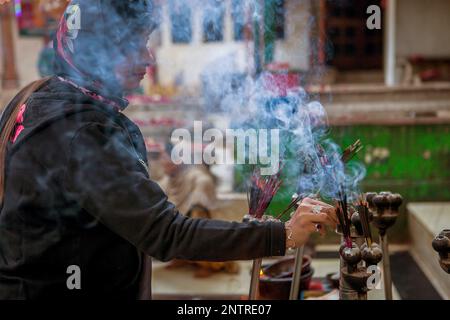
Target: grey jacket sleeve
112	184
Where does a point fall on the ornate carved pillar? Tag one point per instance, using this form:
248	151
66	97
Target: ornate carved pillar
390	43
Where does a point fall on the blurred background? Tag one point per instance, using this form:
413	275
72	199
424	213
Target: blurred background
387	86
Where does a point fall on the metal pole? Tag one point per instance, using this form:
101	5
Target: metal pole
254	281
297	275
390	43
386	267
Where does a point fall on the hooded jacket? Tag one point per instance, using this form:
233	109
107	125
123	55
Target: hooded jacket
78	193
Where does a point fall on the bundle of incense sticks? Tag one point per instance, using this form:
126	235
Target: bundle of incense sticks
351	151
261	192
342	209
344	219
363	211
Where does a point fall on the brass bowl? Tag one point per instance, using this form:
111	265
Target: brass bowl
275	282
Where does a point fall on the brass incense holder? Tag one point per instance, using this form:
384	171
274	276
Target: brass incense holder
354	273
354	276
385	210
358	252
441	244
276	279
371	255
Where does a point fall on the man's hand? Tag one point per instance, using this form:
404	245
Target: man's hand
311	216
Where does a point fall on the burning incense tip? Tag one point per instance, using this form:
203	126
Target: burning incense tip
352	151
363	211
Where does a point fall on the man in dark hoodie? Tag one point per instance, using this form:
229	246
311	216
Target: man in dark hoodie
74	183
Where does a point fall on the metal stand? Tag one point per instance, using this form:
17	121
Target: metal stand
346	292
355	260
351	288
297	275
385	209
387	280
354	276
257	263
254	282
441	244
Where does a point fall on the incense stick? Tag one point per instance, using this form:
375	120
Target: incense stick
365	221
291	205
351	151
261	192
342	215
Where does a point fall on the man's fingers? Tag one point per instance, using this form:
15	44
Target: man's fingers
320	218
316	227
330	212
326	208
317	203
302	208
322	230
330	222
311	228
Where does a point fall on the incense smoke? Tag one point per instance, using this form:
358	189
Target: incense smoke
251	103
310	159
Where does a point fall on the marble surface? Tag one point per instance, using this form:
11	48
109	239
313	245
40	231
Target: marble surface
426	220
181	281
434	216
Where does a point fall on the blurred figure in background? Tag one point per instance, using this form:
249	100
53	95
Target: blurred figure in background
192	188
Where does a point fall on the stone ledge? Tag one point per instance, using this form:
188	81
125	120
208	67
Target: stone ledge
425	221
